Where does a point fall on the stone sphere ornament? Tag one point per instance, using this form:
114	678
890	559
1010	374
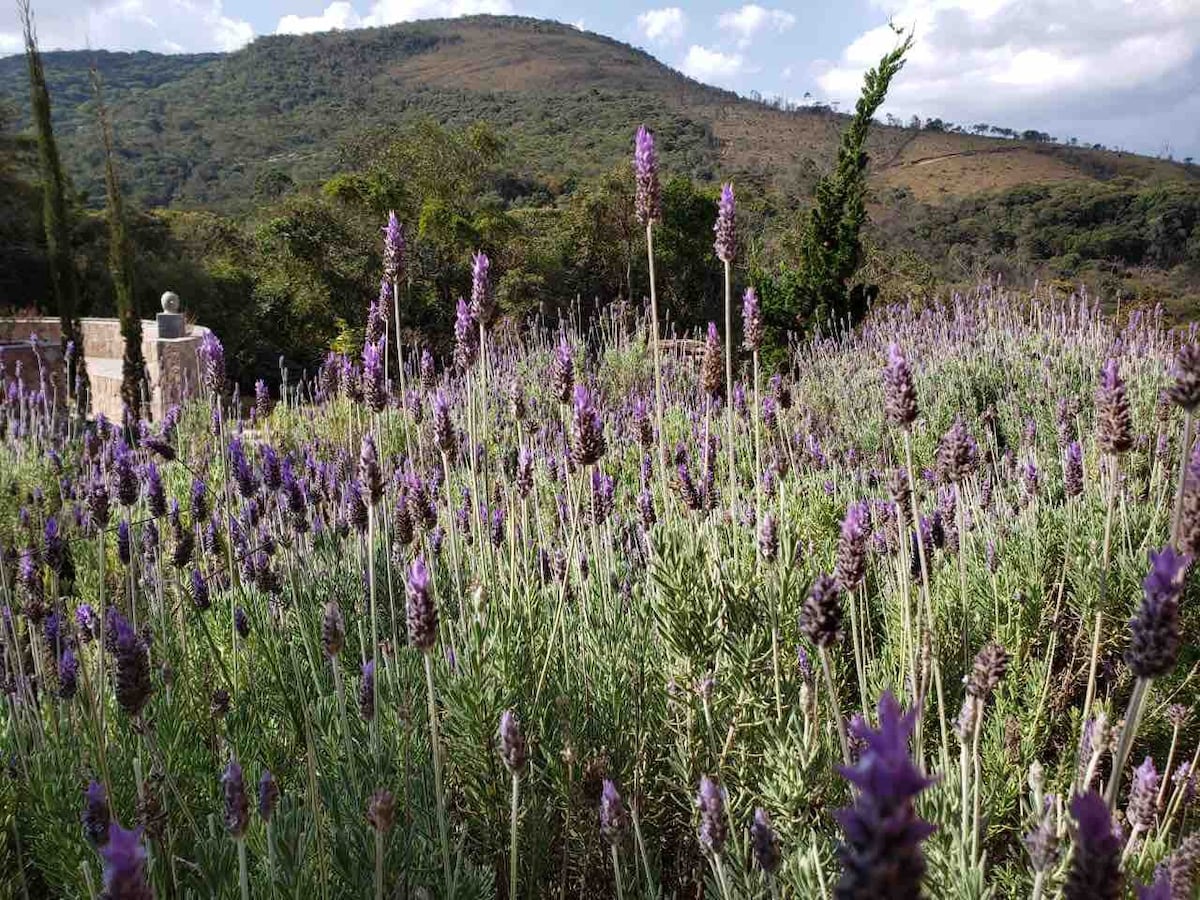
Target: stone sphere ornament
170	302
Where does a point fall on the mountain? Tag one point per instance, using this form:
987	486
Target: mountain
212	129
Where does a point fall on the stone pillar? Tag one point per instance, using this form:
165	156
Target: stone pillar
171	323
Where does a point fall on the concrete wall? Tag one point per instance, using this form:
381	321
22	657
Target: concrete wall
171	363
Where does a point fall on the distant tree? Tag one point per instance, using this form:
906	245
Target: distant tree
54	202
134	383
981	127
830	246
935	125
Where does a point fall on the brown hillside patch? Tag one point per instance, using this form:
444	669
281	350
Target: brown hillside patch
499	59
951	174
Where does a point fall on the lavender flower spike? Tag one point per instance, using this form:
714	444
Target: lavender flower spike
900	396
714	827
237	812
393	248
588	443
614	818
645	170
1095	872
752	328
1114	421
1154	631
725	227
125	865
513	749
212	363
421	609
881	851
481	268
764	842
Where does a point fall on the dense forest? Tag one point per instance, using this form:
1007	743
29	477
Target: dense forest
275	244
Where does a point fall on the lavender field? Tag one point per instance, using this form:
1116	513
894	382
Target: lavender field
568	613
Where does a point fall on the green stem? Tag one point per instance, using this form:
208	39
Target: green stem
243	869
616	864
512	855
439	788
1133	718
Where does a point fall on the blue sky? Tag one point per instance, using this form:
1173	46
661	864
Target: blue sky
1120	72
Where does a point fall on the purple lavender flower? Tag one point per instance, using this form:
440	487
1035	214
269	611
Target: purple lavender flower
1154	630
752	327
1143	795
125	865
123	541
393	248
1114	421
200	594
366	691
199	506
368	469
645	171
96	814
132	666
127	485
377	314
68	674
562	371
237	809
268	795
614	818
1095	872
513	750
374	384
956	455
481	288
212	363
427	369
421	608
1073	470
851	567
725	228
262	400
588	444
54	551
444	437
900	396
466	336
156	497
768	538
881	851
821	615
764	842
712	372
714	827
1160	888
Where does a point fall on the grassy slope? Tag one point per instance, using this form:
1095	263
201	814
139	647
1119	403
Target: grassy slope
199	129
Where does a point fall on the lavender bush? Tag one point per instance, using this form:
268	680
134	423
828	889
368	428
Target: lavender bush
346	591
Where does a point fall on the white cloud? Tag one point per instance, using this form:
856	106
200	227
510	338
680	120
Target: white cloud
1024	62
711	66
750	19
389	12
337	16
168	26
664	25
341	15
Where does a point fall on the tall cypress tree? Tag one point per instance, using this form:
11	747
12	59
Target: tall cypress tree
831	248
54	206
134	384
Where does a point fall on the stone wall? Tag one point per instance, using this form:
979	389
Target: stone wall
172	363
